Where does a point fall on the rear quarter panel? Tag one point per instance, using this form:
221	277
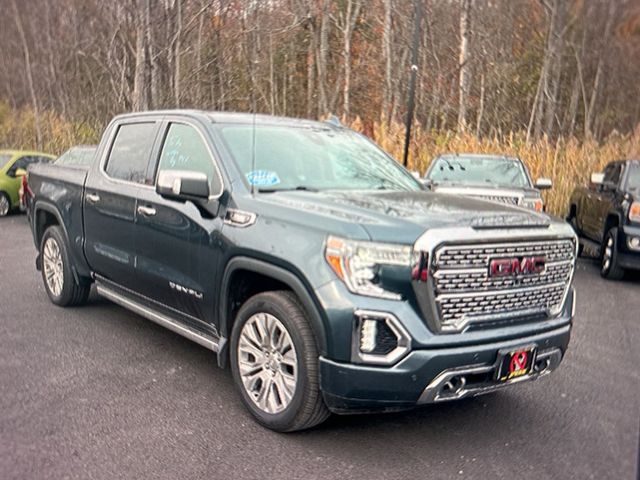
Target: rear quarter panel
59	191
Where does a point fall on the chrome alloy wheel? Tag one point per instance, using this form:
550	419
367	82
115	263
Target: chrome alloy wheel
4	205
52	265
607	255
267	363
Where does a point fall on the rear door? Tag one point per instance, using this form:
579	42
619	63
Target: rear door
178	246
120	172
603	202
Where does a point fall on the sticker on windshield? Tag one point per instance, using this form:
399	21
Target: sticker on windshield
263	178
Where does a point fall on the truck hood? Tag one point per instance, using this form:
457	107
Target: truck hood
401	217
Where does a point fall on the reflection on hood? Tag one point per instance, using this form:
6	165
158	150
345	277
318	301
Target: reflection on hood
395	216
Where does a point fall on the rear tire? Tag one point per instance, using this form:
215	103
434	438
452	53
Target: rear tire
5	204
57	275
609	267
274	362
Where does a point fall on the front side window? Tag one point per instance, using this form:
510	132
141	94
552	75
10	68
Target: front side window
634	177
612	174
4	159
129	156
317	158
479	171
184	149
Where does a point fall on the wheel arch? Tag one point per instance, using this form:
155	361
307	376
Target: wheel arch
277	279
45	216
613	220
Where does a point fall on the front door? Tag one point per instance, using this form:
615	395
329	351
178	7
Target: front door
178	245
110	200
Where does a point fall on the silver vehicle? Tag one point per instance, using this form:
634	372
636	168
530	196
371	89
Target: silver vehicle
490	177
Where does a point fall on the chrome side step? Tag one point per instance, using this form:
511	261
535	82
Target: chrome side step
161	319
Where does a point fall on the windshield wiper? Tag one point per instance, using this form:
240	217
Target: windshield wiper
289	189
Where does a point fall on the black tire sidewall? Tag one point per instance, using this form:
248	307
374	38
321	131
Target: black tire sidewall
3	194
613	272
66	295
280	309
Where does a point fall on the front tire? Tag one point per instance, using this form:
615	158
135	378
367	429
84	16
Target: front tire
609	267
274	362
5	204
57	275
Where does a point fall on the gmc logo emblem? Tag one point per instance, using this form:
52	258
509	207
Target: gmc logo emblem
513	267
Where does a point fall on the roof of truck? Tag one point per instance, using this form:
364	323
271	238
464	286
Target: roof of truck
232	117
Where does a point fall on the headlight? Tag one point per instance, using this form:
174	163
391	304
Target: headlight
358	264
634	212
534	203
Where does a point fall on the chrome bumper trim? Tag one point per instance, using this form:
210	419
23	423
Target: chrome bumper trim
433	392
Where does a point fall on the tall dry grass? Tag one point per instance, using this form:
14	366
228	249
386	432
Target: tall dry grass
568	162
18	131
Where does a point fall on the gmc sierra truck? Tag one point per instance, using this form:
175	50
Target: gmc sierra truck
316	267
606	217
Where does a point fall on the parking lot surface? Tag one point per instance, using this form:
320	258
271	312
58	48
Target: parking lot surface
99	392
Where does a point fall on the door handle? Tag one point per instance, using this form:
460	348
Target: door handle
92	197
147	211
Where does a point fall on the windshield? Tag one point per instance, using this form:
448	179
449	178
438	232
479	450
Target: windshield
77	156
634	177
479	171
4	159
312	158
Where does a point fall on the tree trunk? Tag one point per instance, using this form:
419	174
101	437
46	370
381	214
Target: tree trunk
322	54
353	12
464	64
386	49
589	118
29	73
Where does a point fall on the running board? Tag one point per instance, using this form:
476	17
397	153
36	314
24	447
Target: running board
161	319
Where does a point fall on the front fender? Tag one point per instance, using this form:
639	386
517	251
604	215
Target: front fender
295	282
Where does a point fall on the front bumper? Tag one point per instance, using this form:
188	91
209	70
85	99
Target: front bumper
423	375
627	256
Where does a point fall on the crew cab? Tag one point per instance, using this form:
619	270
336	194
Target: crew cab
314	265
497	178
606	217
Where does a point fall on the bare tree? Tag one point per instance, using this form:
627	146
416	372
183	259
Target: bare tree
464	84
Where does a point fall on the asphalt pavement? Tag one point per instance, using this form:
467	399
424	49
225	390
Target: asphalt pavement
97	392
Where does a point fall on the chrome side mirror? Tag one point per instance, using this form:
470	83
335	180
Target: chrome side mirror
597	178
544	183
182	185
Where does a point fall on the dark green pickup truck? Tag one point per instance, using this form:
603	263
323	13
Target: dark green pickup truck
606	217
314	265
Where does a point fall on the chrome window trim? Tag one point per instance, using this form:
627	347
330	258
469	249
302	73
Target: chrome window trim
169	120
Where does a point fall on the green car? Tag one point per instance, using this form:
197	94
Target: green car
13	166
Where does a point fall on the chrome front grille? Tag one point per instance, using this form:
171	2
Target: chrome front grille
500	199
465	293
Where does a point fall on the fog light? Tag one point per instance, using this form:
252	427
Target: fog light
368	334
634	243
379	338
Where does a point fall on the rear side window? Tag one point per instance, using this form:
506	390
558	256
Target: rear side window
129	156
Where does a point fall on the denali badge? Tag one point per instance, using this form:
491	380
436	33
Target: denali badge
188	291
513	267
